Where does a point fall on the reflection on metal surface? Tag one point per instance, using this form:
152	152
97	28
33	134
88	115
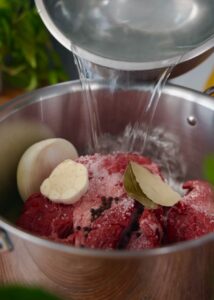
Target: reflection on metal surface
5	242
192	120
131	35
210	91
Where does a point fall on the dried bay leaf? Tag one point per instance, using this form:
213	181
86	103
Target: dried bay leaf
133	189
154	187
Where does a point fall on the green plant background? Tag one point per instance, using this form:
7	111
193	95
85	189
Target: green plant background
24	293
27	57
209	168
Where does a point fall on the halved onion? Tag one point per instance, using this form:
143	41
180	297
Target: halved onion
38	161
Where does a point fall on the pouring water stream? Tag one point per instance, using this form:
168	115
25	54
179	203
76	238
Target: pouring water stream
132	140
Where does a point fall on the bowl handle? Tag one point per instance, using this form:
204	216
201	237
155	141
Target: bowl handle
5	242
210	91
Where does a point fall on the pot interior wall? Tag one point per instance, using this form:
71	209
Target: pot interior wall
61	111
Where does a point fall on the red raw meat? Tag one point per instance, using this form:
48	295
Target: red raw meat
106	180
105	217
45	218
150	232
107	230
193	216
100	218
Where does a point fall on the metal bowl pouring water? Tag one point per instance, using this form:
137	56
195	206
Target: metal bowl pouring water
131	35
181	271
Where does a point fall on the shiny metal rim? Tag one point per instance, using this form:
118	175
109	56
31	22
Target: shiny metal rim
61	89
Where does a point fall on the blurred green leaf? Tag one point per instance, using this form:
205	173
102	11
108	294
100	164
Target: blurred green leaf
53	77
22	293
27	57
5	30
29	53
13	71
3	4
33	82
209	168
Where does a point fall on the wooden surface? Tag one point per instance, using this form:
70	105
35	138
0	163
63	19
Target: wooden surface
183	275
9	95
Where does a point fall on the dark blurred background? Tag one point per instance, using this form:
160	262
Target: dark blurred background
67	60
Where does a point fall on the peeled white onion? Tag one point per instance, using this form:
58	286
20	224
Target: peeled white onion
38	161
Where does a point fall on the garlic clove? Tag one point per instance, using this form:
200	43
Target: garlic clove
67	183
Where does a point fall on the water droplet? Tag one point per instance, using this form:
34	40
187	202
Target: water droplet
191	120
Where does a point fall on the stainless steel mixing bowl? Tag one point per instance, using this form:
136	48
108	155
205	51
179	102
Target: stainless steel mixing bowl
131	35
184	122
